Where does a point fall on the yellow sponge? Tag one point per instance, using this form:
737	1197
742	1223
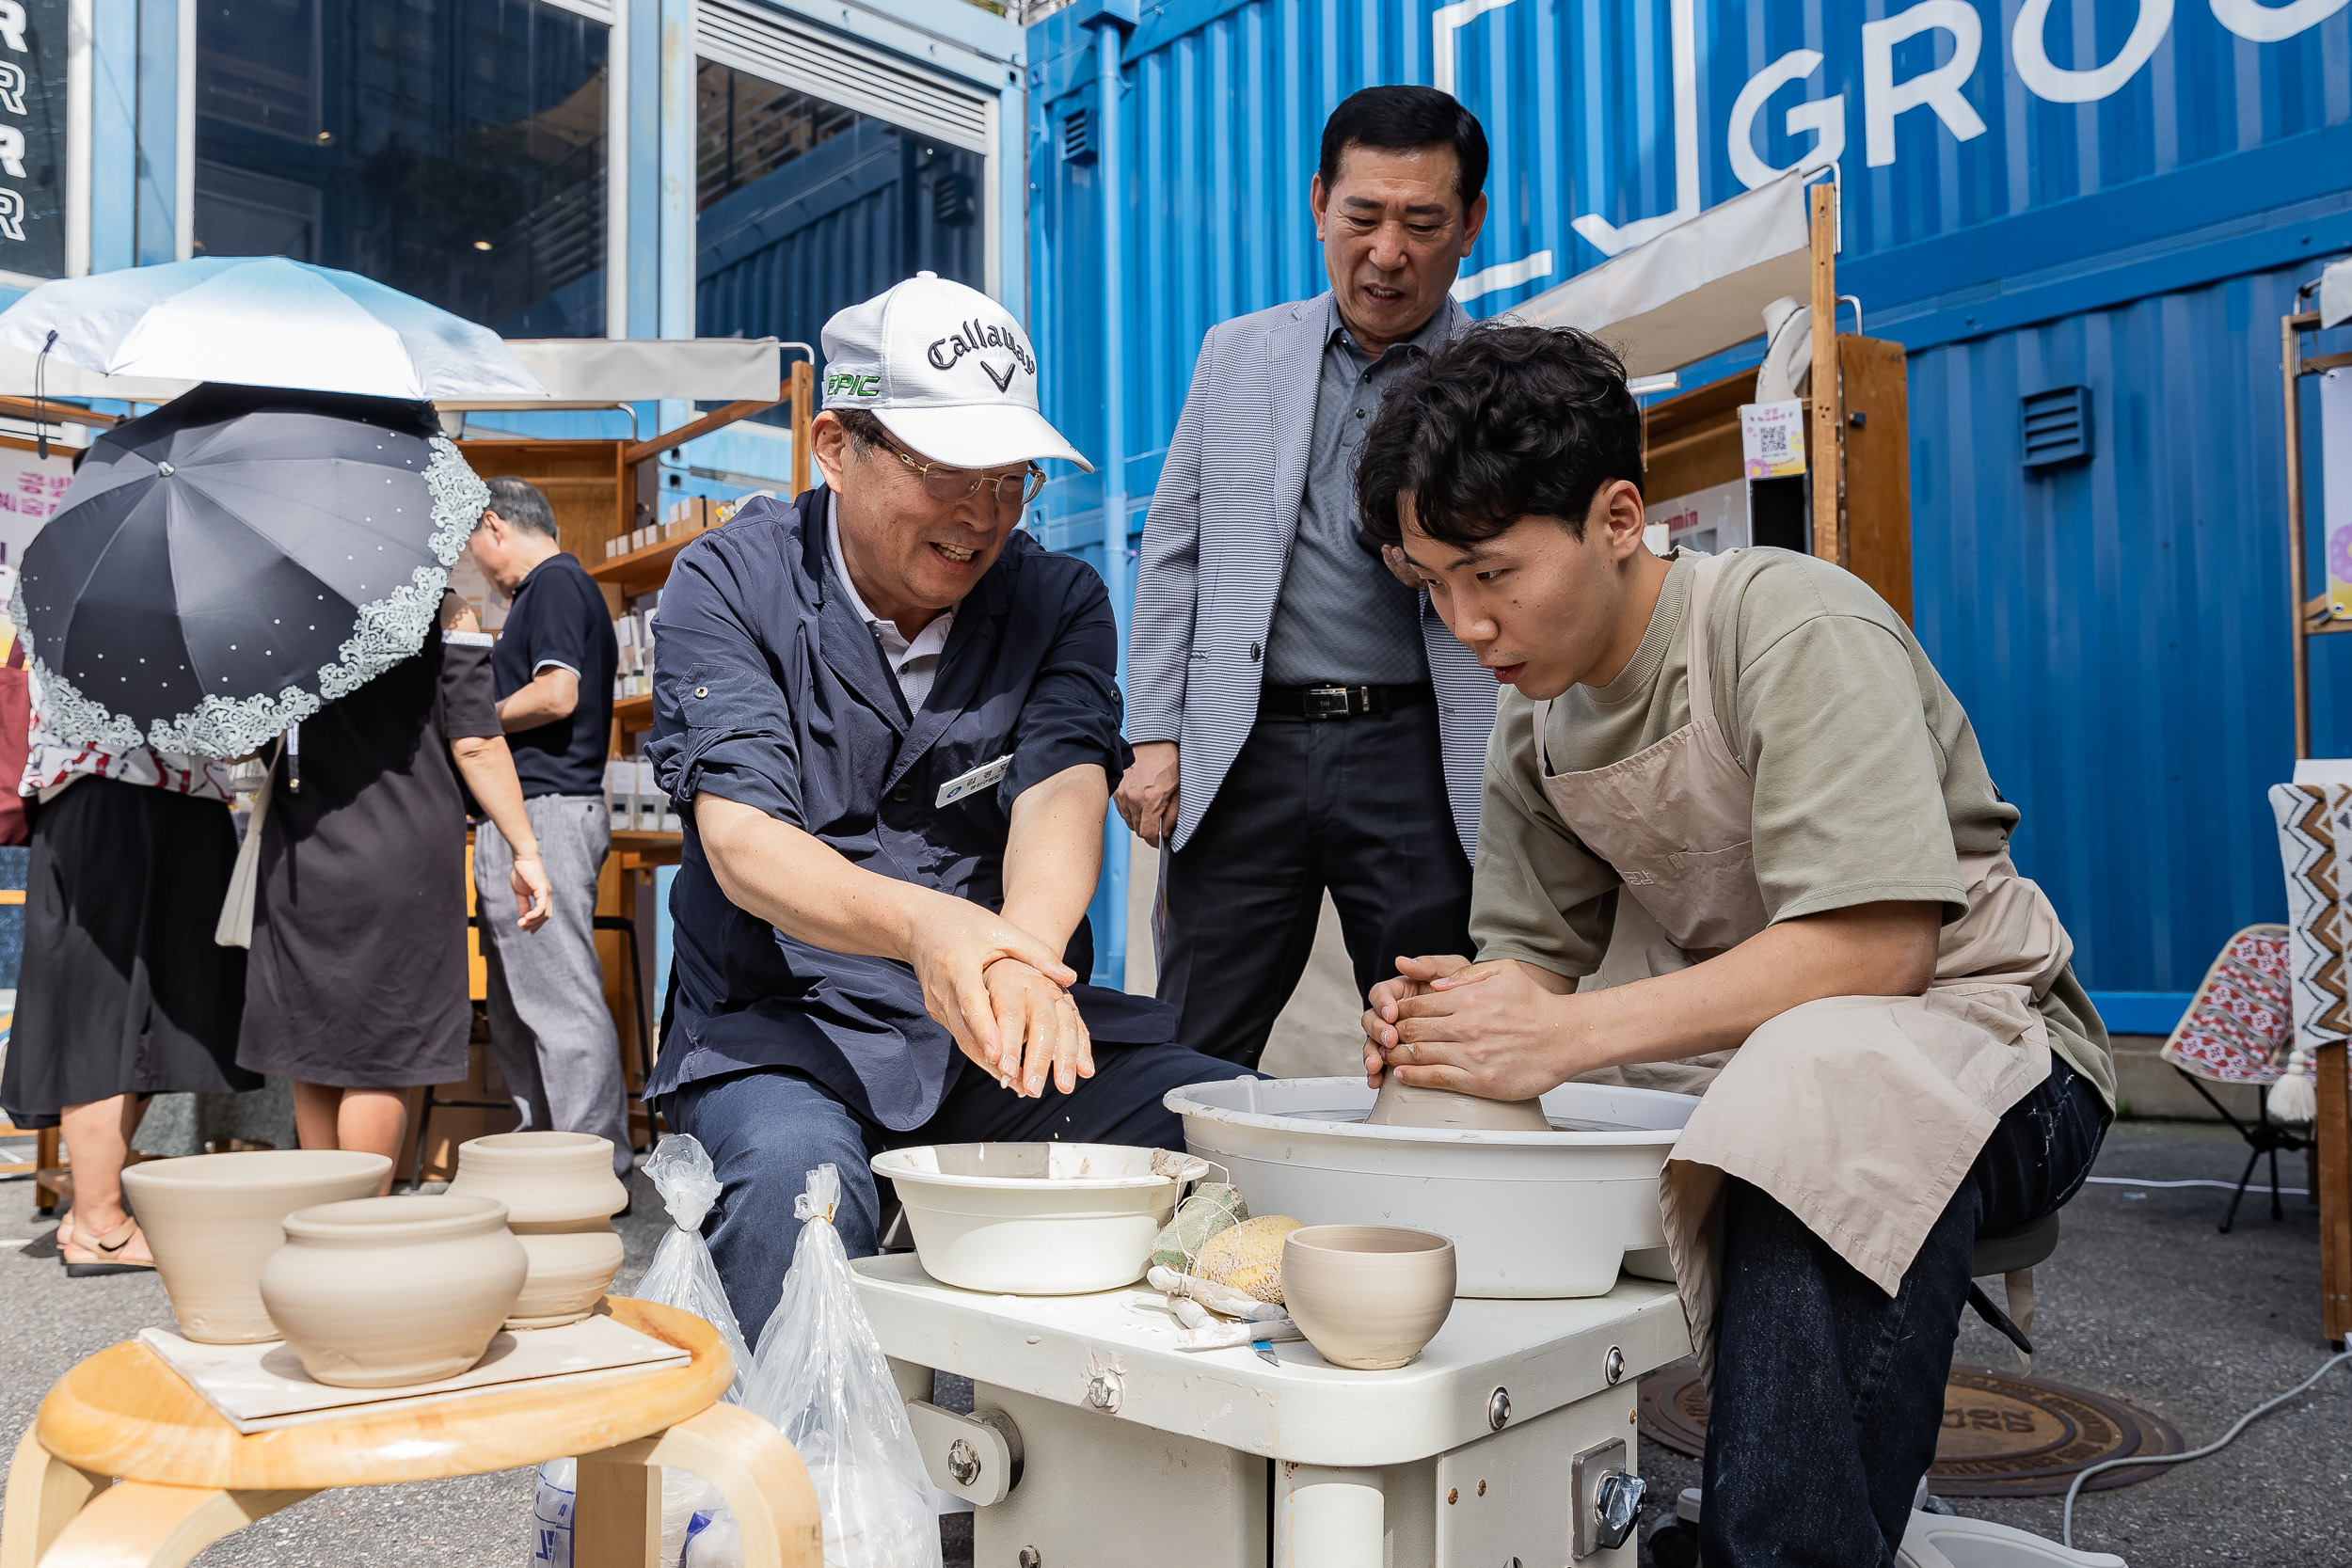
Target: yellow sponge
1248	1256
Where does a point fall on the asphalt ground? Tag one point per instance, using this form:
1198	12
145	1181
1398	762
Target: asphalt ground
2145	1300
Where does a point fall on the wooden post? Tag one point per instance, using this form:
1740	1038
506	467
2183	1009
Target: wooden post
2291	370
48	1158
1874	515
803	412
1823	455
2332	1132
616	1512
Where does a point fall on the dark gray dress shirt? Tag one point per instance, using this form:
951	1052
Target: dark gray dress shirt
1342	617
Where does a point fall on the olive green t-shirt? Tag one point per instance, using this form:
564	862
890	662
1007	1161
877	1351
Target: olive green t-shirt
1869	784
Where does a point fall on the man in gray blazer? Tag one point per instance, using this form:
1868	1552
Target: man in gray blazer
1301	719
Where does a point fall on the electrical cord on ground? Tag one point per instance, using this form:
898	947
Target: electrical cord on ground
2066	1533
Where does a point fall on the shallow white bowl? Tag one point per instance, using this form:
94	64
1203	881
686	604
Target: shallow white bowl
1530	1214
1044	1219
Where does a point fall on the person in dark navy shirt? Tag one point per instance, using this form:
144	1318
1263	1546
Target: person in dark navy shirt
552	670
892	723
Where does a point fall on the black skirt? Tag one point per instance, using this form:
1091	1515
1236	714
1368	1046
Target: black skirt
358	963
123	990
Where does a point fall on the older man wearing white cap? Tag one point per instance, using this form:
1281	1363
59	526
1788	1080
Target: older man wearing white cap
891	722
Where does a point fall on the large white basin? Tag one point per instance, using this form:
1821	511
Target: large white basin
1531	1215
1041	1219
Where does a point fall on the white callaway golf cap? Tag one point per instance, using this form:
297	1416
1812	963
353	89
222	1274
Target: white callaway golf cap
947	371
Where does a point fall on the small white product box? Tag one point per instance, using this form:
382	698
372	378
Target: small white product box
649	798
620	782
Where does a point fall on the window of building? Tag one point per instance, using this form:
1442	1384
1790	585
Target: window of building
32	140
451	149
806	206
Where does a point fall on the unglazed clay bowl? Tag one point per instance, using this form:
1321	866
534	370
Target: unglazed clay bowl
212	1220
560	1195
1403	1105
1368	1296
391	1290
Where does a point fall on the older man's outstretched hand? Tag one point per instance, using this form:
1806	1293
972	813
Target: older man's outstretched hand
957	949
1039	1031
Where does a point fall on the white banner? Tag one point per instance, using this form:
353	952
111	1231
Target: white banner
30	488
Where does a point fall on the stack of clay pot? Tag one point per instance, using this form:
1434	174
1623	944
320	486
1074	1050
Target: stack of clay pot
368	1292
560	1195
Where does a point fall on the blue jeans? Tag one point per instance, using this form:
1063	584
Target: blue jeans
767	1130
1828	1393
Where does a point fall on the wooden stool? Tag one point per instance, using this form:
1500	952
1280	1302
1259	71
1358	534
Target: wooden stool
188	1477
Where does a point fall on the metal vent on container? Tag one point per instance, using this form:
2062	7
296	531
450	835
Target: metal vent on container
2056	425
1077	136
954	201
751	37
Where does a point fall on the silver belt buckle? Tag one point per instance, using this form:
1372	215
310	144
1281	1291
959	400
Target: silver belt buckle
1327	702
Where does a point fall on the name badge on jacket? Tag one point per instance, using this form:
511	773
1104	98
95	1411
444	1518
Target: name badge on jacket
978	779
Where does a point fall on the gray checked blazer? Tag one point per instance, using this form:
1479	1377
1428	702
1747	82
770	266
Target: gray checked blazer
1214	552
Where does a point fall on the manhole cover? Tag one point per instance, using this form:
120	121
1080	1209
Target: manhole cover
2002	1437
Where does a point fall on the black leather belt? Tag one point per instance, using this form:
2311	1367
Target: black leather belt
1338	702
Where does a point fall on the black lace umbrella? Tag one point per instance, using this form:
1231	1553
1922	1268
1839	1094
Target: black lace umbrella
224	566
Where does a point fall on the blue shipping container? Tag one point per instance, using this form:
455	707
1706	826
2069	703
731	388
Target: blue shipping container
2122	195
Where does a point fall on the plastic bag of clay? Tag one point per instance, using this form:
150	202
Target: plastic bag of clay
714	1543
682	1275
822	1379
1211	1206
688	1505
552	1515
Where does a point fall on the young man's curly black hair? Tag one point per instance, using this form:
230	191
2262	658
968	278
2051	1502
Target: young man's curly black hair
1504	422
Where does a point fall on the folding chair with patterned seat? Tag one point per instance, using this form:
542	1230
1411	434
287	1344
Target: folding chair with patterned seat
2238	1029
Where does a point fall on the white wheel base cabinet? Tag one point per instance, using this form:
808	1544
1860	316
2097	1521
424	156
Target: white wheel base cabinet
1095	1443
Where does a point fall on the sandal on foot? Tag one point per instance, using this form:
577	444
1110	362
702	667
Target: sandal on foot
103	1254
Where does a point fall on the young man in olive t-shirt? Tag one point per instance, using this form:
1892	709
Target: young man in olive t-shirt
1755	752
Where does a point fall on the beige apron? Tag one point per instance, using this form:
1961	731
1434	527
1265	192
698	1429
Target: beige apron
1861	1115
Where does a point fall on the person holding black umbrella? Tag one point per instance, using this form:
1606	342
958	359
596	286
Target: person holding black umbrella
256	569
356	989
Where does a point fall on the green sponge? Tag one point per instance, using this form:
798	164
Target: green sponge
1213	1206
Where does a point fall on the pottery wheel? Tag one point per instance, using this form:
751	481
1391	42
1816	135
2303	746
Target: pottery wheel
2004	1436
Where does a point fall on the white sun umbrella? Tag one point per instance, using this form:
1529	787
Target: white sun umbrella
264	321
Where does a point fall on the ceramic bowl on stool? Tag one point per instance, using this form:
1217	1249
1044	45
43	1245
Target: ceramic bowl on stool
560	1195
212	1220
1368	1296
385	1291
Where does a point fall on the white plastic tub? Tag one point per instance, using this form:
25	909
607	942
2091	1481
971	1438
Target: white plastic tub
1043	1219
1531	1215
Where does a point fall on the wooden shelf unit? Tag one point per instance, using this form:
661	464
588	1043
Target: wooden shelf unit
601	490
642	571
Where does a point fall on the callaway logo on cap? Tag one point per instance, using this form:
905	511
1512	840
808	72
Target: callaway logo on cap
946	370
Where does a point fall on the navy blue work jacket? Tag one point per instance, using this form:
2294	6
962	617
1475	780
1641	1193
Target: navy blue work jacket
768	691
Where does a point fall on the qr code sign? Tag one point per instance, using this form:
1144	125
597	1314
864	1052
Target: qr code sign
1771	438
